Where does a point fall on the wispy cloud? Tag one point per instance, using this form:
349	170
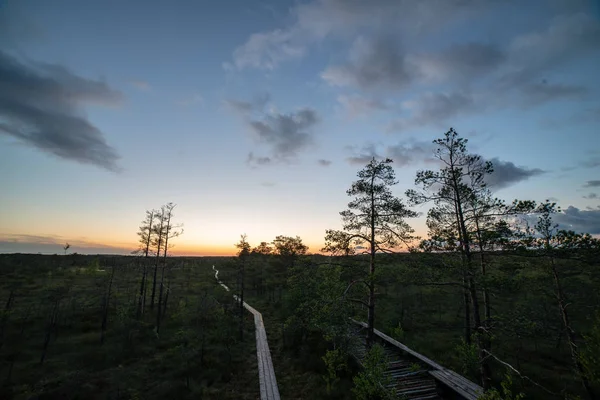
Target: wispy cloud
193	100
40	107
141	85
324	163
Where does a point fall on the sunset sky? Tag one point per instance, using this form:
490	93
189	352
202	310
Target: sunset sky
254	116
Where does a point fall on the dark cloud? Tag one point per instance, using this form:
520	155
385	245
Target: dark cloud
363	155
593	183
40	107
246	107
591	163
411	153
568	36
460	62
507	173
324	163
435	109
537	93
591	196
374	64
286	134
253	160
585	221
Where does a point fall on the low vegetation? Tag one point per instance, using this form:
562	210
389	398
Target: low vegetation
496	292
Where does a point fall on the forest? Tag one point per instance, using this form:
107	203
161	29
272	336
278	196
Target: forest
497	292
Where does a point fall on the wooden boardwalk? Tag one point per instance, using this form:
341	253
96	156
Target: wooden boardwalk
416	377
266	374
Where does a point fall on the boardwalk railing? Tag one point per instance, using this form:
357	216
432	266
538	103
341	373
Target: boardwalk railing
448	380
266	374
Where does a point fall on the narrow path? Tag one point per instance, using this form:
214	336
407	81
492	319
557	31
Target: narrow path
266	374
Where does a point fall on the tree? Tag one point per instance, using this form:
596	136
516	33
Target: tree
145	234
261	254
243	253
552	243
288	250
453	189
170	232
66	247
157	241
374	217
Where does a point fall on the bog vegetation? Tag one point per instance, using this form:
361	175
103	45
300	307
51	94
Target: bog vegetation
496	291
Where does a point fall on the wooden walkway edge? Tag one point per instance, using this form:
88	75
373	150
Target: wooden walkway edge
266	374
448	379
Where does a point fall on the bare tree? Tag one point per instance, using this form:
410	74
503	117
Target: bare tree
170	231
374	217
66	247
145	234
157	241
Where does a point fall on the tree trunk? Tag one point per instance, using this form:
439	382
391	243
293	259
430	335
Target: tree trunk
562	306
466	248
467	303
160	297
156	262
106	306
140	308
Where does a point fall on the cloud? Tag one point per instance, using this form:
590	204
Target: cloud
53	244
268	184
591	163
507	173
142	85
435	109
40	107
585	221
244	108
324	163
266	50
364	155
592	196
463	62
317	20
195	99
567	37
374	64
593	183
411	153
537	93
355	105
253	160
286	134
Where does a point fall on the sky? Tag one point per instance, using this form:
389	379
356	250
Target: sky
255	116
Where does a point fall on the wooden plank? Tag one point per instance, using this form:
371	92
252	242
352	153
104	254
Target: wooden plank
461	385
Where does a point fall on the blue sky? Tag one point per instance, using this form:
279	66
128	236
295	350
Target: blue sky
254	116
